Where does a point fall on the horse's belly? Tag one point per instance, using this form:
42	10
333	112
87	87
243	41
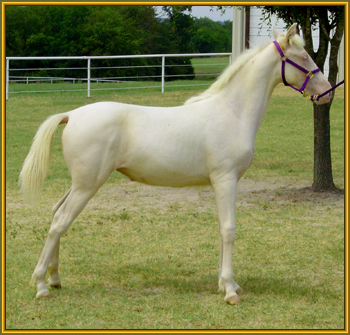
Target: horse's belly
163	176
175	157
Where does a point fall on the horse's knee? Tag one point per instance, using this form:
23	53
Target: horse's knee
228	234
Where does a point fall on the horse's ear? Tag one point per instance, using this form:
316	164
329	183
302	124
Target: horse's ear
291	31
274	32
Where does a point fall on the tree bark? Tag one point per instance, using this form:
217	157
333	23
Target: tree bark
323	175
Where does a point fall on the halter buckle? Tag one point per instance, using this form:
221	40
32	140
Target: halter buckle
305	94
310	74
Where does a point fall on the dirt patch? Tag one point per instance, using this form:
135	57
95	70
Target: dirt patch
132	195
127	195
285	191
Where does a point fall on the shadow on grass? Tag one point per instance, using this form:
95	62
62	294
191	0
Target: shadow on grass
145	280
173	276
263	285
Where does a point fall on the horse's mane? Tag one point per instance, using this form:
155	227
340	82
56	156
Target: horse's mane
226	76
296	40
232	70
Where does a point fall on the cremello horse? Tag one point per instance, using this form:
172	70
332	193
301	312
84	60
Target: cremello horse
208	140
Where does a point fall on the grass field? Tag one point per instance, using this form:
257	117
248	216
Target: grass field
142	257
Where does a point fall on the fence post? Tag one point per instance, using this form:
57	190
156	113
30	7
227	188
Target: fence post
163	72
88	77
7	78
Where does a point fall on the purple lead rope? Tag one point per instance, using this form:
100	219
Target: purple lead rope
330	90
309	75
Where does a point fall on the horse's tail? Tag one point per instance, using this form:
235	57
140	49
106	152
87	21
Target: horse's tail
37	163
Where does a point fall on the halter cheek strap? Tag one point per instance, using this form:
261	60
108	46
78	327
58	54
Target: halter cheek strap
309	75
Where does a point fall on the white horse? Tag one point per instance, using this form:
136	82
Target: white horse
208	140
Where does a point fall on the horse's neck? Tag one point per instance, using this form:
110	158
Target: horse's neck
248	93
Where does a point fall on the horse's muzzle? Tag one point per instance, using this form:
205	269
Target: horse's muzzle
324	99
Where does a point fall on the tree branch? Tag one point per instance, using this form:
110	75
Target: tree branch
335	44
307	32
323	21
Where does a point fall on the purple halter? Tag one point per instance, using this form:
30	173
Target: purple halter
309	75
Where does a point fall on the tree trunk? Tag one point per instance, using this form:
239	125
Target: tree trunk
323	176
329	18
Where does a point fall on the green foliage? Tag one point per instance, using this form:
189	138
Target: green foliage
110	30
181	26
91	31
212	36
291	14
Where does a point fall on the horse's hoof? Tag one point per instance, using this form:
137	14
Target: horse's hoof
56	286
240	291
44	295
233	300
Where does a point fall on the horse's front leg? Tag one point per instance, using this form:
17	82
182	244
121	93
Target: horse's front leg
225	192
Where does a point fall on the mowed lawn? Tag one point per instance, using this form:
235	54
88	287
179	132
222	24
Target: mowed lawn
143	257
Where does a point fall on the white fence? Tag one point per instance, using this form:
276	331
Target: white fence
88	68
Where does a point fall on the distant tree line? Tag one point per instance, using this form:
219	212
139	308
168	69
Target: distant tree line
111	30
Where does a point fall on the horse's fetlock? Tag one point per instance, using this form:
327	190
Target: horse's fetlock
226	281
38	275
33	279
53	265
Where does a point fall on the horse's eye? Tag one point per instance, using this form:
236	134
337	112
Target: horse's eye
304	58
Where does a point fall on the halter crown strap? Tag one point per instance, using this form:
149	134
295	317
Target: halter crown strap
278	48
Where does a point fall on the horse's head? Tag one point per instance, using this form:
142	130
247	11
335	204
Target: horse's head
299	75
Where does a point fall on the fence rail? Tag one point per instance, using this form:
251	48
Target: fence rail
88	68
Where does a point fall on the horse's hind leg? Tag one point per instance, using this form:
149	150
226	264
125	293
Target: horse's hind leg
54	279
71	206
59	203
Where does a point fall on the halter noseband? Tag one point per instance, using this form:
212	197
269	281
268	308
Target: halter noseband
309	75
